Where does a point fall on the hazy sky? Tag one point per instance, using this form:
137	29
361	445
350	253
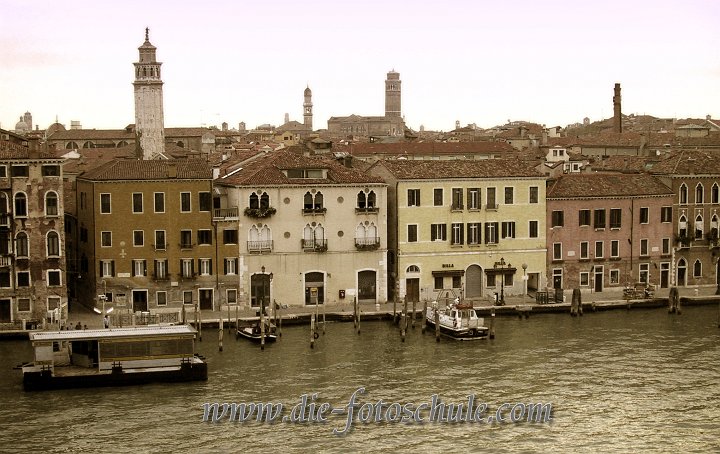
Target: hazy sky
476	61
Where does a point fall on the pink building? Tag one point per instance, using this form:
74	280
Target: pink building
609	230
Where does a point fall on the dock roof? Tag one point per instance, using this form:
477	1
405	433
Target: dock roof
113	333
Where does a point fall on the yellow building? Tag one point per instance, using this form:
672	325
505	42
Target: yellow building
467	225
146	238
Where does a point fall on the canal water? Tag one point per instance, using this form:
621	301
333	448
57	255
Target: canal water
618	381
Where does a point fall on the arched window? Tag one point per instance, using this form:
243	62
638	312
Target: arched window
22	246
308	202
254	201
371	232
682	272
20	204
361	200
318	201
371	199
122	143
3	203
71	146
413	269
264	200
699	227
51	203
53	244
715	194
699	193
360	233
683	194
682	226
697	269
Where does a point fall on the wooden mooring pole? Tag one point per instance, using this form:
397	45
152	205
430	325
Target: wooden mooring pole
674	301
491	331
403	321
413	314
312	331
220	334
423	323
437	324
237	319
262	327
229	324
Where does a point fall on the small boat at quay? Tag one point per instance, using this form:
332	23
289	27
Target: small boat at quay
456	320
254	333
113	357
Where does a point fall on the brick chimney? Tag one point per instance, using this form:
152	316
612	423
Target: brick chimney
617	113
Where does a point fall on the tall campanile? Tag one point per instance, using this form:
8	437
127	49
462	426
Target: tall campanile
392	95
307	109
149	121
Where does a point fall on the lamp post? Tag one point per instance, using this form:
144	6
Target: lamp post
502	266
525	279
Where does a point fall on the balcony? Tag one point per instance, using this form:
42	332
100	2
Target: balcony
226	214
457	207
161	277
260	246
186	245
683	241
259	213
5	260
160	247
314	245
5	220
367	210
491	206
314	210
367	244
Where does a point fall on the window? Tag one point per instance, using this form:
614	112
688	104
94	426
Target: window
23	279
4	278
473	233
21	245
614	277
51	204
187	297
557	251
204	201
666	246
533	229
138	238
185	206
438	232
697	269
50	171
412	235
457	199
615	218
413	198
491	205
584	250
3	171
644	215
139	267
599	249
683	194
23	304
438	197
186	239
439	285
160	243
473	197
53	302
584	217
53	244
106	239
533	196
557	219
161	269
20	171
599	219
584	279
456	282
205	267
231	264
159	198
20	204
457	233
107	268
644	247
187	268
509	195
699	227
682	226
204	236
666	214
232	296
507	229
615	248
491	281
230	236
53	278
137	202
161	298
644	273
699	193
491	233
105	203
715	194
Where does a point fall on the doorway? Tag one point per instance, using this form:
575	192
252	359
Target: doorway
366	286
5	311
664	275
314	288
205	296
599	276
260	290
140	300
473	282
412	289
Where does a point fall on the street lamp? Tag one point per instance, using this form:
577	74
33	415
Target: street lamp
525	279
502	266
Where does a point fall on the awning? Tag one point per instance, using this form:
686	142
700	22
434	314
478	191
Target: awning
452	273
500	270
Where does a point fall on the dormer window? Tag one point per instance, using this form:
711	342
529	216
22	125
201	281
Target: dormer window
305	173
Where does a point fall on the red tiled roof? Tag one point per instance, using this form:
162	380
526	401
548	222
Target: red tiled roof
11	150
268	170
619	163
592	185
460	168
424	148
135	169
689	162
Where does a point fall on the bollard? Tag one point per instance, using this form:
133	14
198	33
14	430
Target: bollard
437	325
220	334
312	331
491	331
424	317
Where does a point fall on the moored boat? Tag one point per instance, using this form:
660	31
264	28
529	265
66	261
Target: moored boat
254	333
457	320
113	357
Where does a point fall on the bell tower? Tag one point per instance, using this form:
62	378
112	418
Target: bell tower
307	109
392	95
149	121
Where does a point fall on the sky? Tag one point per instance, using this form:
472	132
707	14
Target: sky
552	62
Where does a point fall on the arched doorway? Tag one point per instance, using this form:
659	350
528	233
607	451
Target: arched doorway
473	281
366	286
682	273
314	287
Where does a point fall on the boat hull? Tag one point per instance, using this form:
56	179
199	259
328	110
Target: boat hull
253	337
462	333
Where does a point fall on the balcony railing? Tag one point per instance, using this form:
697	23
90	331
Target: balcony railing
367	243
226	214
259	213
5	260
314	245
367	210
161	276
457	207
260	246
186	245
314	210
491	206
160	247
5	219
